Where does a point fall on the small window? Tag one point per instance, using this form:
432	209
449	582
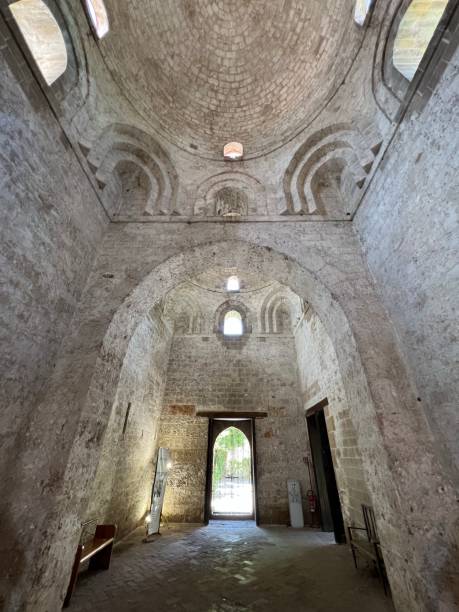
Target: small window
233	151
232	324
362	10
98	17
232	284
43	37
414	34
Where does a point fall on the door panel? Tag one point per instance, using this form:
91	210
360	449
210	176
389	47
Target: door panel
330	505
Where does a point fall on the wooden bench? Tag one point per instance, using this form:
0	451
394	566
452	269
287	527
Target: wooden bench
369	546
98	551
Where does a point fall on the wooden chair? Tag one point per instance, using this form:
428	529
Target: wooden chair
369	547
98	551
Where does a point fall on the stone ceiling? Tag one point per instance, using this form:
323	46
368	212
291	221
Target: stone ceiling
204	72
214	279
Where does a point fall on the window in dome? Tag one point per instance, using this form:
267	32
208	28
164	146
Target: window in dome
414	34
43	37
233	151
362	10
232	324
98	17
232	284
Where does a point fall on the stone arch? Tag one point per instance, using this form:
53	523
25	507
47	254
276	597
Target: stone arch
386	417
122	144
239	307
249	188
278	311
327	173
183	311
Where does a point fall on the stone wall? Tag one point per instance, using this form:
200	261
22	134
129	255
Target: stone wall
320	262
259	375
320	378
408	226
50	226
122	488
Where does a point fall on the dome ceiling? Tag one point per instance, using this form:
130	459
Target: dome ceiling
205	72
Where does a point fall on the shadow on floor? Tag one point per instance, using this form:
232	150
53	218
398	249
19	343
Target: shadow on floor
231	566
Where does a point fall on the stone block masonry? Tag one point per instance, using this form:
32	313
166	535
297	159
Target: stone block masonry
258	376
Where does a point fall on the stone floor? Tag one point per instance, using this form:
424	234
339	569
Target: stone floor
231	567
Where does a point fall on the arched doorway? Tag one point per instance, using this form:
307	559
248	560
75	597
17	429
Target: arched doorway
231	470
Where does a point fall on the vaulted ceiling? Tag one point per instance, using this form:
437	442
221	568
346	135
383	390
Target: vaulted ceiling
204	72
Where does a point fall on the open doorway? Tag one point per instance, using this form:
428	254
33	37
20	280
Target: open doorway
329	502
231	470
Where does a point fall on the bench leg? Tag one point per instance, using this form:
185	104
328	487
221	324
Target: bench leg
381	569
352	548
102	559
73	576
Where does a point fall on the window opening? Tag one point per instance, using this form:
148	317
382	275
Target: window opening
98	17
415	32
233	151
43	37
361	11
232	284
232	324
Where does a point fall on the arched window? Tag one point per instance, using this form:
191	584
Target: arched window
414	34
43	37
361	11
232	324
232	284
98	17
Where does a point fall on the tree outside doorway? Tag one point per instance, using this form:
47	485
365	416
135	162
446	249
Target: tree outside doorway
232	486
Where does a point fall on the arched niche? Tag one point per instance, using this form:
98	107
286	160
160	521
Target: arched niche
135	188
280	311
230	192
328	172
120	146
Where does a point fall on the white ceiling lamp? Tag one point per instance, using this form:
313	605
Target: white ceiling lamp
233	151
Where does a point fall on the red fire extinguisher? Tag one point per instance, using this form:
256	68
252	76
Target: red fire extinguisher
312	500
311	496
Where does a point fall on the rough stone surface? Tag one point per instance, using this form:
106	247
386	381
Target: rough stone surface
83	332
221	568
256	373
122	487
409	231
51	224
384	425
320	378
